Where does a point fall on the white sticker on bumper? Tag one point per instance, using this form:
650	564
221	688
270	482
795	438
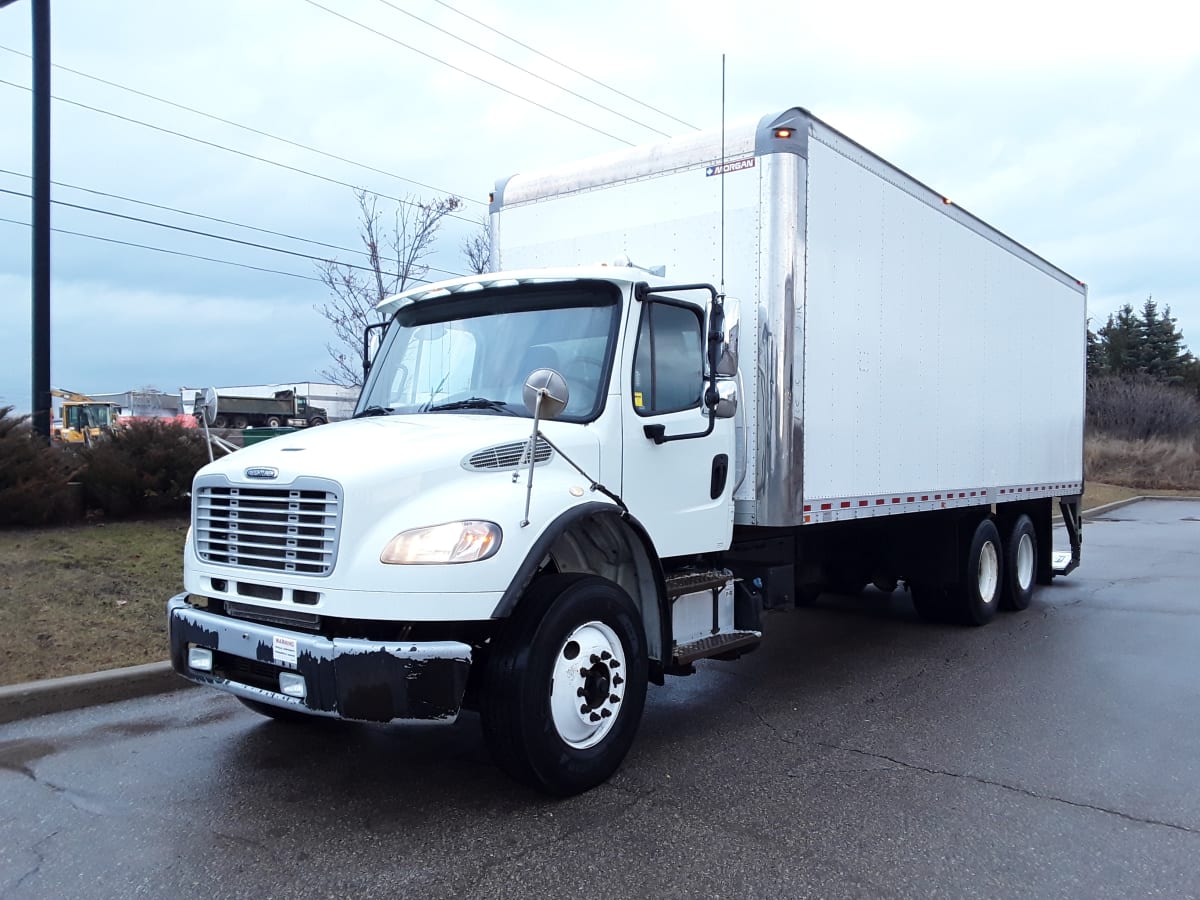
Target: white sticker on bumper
284	651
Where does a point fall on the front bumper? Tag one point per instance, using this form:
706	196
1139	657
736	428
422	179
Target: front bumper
343	677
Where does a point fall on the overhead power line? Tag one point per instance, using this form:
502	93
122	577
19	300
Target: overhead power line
217	237
184	212
243	153
251	129
461	71
225	262
520	68
559	62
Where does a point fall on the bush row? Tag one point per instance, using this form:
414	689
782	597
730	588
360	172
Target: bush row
146	467
1138	408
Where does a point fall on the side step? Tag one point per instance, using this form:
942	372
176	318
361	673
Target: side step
1060	560
715	645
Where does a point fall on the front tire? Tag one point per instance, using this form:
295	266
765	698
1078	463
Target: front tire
565	684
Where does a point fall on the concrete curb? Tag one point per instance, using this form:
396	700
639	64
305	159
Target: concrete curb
37	698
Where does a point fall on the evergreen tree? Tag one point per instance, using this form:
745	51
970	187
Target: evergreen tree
1119	338
1160	352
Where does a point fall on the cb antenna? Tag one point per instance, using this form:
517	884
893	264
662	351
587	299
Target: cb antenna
722	173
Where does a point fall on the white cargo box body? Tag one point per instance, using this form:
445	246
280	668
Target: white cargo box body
897	353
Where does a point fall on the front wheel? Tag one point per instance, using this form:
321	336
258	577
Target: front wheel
565	684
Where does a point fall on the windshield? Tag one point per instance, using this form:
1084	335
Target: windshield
472	353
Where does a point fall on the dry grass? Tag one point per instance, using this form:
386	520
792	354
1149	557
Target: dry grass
1149	465
86	597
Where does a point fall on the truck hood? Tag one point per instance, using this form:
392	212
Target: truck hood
378	449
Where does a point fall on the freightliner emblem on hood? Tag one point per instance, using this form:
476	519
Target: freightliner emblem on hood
262	472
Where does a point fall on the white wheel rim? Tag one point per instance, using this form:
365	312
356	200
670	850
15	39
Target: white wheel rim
1025	562
587	685
989	572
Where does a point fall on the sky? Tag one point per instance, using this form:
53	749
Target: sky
1072	127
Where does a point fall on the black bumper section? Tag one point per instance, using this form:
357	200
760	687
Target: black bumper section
347	678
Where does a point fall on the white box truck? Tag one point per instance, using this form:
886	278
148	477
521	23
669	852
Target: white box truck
564	480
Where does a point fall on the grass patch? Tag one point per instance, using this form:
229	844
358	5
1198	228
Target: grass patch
83	598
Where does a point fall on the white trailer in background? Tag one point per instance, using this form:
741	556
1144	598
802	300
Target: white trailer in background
564	480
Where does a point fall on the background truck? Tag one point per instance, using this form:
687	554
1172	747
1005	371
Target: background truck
285	408
564	482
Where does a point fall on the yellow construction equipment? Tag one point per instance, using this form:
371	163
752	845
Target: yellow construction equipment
83	419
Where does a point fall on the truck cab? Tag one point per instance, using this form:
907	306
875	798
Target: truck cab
517	518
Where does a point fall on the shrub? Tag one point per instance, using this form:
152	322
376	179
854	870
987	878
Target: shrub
1138	408
33	475
146	467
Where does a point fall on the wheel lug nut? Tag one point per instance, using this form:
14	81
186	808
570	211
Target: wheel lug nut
584	709
606	713
617	679
613	698
580	693
605	655
614	664
595	717
594	659
583	673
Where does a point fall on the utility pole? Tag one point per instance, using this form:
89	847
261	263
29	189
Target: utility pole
40	270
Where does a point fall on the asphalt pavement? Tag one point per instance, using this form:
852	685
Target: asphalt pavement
858	753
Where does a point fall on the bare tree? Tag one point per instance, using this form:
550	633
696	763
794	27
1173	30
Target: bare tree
477	249
395	261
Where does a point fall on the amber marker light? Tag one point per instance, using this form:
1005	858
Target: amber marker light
783	132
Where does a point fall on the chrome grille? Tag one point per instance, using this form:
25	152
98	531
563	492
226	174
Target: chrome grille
507	456
291	529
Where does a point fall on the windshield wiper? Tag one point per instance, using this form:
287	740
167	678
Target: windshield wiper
472	403
374	411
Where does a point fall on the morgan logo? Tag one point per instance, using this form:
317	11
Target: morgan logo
262	472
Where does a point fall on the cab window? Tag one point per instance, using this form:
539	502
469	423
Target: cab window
668	369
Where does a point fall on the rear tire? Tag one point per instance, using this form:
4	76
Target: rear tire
977	595
1020	564
574	643
274	421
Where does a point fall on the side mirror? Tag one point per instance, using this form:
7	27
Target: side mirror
727	355
550	388
372	338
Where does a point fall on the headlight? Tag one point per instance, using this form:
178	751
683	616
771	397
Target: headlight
454	542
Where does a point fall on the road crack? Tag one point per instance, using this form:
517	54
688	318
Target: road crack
1129	817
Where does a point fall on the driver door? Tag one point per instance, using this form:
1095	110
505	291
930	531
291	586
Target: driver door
679	490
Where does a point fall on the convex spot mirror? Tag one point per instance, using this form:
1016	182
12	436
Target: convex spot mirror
551	388
727	353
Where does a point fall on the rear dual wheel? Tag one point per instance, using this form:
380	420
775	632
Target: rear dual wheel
1020	564
975	595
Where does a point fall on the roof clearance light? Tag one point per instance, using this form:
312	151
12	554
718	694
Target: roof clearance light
946	200
783	132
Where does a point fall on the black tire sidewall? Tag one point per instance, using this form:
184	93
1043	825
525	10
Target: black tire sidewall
973	608
525	656
1014	598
